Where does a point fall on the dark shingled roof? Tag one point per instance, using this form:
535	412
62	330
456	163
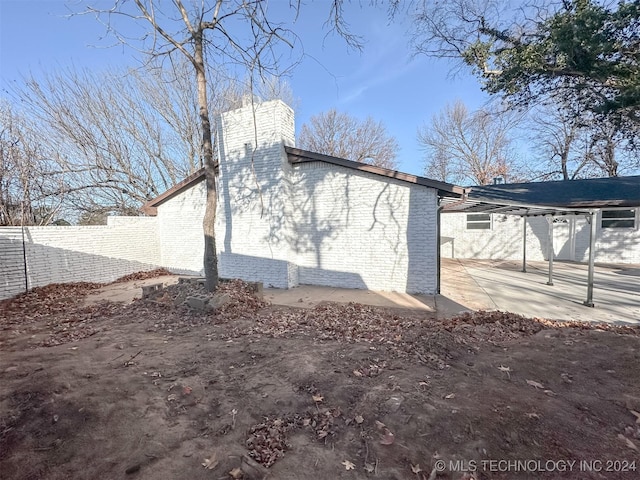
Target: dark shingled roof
539	198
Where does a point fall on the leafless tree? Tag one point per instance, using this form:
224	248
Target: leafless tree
29	185
120	138
610	153
557	138
571	146
342	135
231	33
468	147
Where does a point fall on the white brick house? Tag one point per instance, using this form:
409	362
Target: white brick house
287	217
493	223
502	238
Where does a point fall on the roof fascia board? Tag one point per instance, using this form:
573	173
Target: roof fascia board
151	207
296	155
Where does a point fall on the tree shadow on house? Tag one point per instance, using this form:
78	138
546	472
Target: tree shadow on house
316	223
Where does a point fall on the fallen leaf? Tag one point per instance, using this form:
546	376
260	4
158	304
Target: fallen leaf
357	373
210	463
306	422
348	465
636	414
533	415
388	438
566	378
236	473
359	419
535	385
629	443
318	398
416	468
450	396
380	425
551	393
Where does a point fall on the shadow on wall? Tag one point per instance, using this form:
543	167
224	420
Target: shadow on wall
617	245
421	240
344	229
312	224
505	246
246	267
12	269
47	265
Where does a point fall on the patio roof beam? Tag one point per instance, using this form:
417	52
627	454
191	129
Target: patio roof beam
510	208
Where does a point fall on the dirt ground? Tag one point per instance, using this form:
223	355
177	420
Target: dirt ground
153	390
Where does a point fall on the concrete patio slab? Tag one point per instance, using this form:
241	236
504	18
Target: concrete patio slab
501	285
308	296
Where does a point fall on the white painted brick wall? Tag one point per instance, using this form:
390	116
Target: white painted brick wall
309	224
613	245
356	229
504	240
252	234
12	271
180	231
81	254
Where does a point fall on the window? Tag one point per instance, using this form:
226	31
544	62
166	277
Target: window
618	219
478	221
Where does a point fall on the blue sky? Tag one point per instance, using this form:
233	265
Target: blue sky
383	81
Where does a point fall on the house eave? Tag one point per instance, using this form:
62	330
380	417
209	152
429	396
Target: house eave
298	156
151	207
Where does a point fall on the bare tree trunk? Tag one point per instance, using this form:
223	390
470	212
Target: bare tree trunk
210	255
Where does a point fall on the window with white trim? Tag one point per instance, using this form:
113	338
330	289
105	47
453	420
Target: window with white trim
478	221
618	219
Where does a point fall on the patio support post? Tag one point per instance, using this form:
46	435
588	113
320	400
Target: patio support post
438	253
592	255
550	249
524	246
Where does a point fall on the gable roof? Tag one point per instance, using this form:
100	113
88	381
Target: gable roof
555	197
297	156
